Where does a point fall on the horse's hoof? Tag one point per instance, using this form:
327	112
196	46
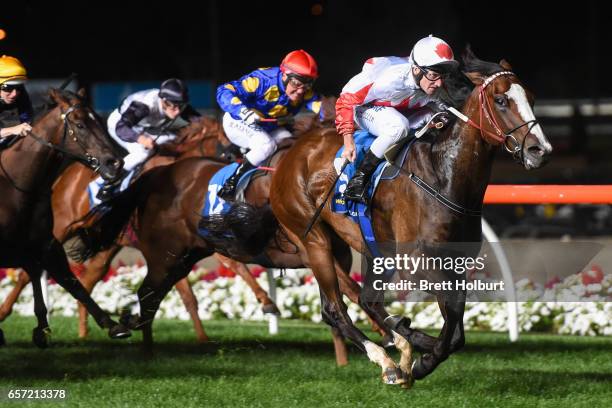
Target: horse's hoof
408	380
2	339
387	341
41	337
418	371
393	376
119	331
271	308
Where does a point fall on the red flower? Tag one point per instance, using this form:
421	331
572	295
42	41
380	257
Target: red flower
594	275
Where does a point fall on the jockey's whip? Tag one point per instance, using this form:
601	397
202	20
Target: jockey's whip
318	212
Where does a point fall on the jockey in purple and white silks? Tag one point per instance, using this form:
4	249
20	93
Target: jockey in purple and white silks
387	98
144	119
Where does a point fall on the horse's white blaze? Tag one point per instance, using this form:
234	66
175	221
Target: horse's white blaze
518	95
377	354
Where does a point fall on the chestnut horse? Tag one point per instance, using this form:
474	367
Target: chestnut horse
167	202
69	132
457	162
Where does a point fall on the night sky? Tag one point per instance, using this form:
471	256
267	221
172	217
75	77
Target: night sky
559	52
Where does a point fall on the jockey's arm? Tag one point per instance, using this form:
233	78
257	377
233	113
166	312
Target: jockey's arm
235	96
130	118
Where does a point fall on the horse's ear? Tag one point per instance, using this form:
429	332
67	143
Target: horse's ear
81	92
475	77
505	65
56	96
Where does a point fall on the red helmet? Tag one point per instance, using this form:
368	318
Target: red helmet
300	63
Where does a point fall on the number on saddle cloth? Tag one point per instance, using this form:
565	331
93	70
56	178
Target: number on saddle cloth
213	204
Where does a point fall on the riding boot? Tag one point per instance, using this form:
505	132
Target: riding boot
229	188
357	187
110	188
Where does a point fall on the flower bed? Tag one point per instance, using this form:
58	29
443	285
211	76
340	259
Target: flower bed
220	295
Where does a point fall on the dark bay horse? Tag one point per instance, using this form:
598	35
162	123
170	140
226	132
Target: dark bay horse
70	132
70	201
457	162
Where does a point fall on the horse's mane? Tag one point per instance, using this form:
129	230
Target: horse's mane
458	86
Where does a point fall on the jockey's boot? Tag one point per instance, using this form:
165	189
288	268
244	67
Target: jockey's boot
229	188
110	188
357	187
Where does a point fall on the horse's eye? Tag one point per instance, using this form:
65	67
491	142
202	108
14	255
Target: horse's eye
80	126
501	101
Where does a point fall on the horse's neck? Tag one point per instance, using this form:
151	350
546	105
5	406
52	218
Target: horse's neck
463	162
29	165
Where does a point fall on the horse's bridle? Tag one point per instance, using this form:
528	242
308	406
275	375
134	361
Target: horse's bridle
85	158
486	110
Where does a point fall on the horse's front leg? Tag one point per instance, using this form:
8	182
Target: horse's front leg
56	264
451	339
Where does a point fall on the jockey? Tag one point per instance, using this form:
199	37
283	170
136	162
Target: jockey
144	119
387	98
15	106
258	104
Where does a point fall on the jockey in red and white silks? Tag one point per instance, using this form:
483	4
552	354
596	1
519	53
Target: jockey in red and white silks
388	98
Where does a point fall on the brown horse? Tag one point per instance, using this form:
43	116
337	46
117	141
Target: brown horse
70	201
458	160
204	138
168	201
67	133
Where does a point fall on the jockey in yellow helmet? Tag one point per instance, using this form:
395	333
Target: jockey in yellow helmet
15	106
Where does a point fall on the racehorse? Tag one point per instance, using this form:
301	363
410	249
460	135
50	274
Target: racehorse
203	138
69	132
167	202
497	110
70	201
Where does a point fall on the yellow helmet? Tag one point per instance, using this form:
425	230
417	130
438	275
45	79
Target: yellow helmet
12	71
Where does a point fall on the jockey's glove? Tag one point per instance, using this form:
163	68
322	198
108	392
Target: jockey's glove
249	116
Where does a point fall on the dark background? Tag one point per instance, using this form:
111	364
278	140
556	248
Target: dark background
559	50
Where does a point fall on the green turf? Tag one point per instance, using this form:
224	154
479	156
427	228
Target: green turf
245	367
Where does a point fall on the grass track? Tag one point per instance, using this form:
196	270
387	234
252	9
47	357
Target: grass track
245	367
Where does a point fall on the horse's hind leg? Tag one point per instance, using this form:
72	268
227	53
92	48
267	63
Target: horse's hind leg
7	307
162	275
56	264
334	310
191	304
94	272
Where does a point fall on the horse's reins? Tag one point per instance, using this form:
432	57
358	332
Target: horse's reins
85	159
500	136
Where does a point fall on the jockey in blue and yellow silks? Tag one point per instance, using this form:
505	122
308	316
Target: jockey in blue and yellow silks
258	104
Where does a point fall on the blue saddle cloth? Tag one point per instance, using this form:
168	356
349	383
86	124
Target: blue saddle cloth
359	212
96	185
363	140
213	204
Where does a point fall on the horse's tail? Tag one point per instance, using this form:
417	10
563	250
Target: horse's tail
99	229
243	230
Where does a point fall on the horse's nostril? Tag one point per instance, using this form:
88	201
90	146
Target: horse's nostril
536	150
